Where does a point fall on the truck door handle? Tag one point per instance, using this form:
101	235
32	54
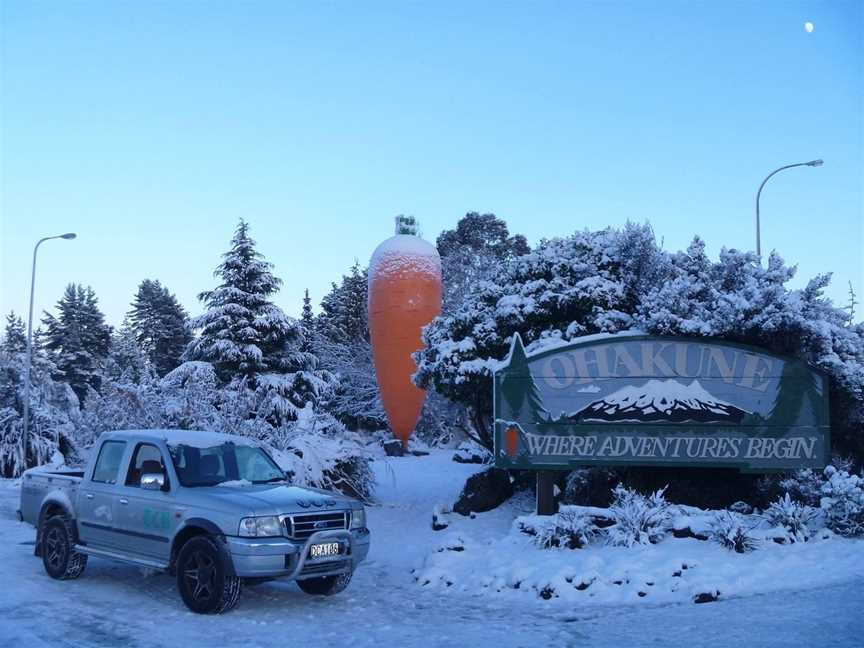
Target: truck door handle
88	495
123	500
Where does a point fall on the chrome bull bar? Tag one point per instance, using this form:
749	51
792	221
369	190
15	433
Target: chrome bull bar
318	537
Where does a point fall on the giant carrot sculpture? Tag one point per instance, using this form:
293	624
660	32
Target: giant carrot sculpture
404	296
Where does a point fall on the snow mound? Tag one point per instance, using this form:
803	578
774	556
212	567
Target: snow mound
235	483
674	570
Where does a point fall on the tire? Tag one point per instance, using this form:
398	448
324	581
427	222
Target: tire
202	579
326	585
59	557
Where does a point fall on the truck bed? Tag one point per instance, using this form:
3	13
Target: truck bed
38	483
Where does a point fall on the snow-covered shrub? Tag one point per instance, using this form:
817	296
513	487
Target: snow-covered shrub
615	280
843	502
589	486
804	486
41	449
588	282
318	451
440	517
570	528
792	516
52	418
639	519
472	452
442	422
730	531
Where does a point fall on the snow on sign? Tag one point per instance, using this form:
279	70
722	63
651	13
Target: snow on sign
641	400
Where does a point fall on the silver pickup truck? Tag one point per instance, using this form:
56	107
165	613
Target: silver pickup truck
213	509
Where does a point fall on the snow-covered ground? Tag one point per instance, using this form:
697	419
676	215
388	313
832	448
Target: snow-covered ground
114	605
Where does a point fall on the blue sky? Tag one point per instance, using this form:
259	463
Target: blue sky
149	128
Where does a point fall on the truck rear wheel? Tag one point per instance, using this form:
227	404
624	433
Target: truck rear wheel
202	578
59	557
326	585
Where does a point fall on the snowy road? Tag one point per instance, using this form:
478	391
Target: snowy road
113	605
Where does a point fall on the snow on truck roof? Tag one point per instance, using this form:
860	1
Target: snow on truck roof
193	438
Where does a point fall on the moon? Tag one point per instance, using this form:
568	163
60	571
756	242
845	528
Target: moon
809	27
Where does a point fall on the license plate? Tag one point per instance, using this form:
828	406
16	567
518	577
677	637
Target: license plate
324	550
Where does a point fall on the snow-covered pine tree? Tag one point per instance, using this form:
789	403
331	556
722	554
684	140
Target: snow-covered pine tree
78	339
307	324
250	342
127	362
160	325
14	334
342	344
306	316
344	316
242	333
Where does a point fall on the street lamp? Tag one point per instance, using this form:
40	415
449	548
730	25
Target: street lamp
811	163
69	235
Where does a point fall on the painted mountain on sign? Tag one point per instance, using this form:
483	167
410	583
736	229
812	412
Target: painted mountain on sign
661	401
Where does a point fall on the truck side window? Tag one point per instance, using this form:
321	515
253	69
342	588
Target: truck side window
108	462
146	459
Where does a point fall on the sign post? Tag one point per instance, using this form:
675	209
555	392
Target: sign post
546	504
638	400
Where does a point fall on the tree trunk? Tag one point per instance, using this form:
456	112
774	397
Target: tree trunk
479	422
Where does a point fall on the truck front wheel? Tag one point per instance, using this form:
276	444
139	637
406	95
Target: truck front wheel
326	585
202	578
59	557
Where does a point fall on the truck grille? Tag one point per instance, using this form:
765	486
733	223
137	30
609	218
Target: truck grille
303	525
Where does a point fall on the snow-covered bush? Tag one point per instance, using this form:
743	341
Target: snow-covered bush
843	502
614	280
729	530
588	282
794	518
52	419
318	451
639	519
472	452
589	486
804	486
570	528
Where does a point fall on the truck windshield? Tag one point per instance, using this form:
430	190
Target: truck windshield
223	463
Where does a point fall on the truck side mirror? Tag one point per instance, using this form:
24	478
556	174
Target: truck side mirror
152	481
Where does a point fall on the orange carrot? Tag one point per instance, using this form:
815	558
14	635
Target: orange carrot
404	296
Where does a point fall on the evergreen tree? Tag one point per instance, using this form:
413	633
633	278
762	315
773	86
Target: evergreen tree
127	361
14	335
306	317
160	325
344	314
78	339
342	344
243	334
307	324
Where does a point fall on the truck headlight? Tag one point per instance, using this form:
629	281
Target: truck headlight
257	527
358	518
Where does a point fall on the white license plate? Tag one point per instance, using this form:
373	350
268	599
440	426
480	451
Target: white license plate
324	550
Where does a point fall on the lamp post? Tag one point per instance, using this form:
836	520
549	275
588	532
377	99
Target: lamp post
67	236
811	163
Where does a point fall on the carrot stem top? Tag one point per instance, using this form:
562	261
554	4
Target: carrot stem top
406	225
